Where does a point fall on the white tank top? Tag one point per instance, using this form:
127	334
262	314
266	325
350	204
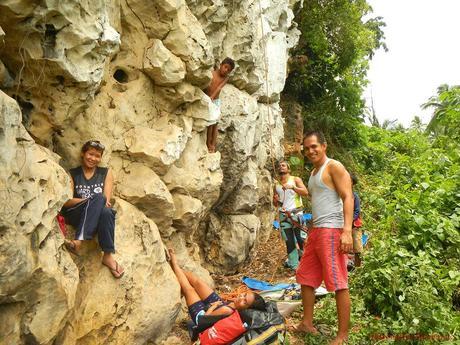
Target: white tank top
290	200
327	206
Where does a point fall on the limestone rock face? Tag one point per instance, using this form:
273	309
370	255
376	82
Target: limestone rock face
157	147
152	196
52	45
32	189
196	173
293	126
131	74
141	305
161	65
230	238
188	212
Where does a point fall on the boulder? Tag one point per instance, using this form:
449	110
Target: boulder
136	308
244	198
188	41
173	97
33	187
161	65
188	213
67	45
200	111
229	240
140	186
197	173
157	147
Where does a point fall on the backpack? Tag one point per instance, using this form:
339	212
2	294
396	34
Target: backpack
224	331
263	336
264	327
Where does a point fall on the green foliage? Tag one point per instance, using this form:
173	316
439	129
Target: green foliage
338	45
410	191
410	180
446	118
295	161
413	267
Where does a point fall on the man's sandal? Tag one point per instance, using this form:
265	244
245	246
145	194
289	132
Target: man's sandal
115	273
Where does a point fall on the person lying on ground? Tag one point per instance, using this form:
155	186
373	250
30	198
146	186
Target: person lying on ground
202	300
90	210
287	197
219	79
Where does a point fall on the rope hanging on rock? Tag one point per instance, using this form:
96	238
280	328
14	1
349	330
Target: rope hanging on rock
265	63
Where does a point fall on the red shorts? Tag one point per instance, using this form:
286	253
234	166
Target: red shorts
323	260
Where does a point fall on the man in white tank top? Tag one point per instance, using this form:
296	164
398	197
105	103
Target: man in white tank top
287	197
325	253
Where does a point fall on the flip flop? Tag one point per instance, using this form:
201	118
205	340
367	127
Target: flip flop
71	247
115	271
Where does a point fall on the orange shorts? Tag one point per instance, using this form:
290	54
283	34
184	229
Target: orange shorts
323	260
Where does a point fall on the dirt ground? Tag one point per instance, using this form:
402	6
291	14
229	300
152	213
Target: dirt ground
265	263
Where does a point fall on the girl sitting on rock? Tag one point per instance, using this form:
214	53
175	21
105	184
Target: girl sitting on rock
202	300
90	211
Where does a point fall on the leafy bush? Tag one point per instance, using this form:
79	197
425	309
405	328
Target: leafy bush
412	198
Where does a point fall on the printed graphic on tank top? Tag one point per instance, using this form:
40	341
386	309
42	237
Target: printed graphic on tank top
84	188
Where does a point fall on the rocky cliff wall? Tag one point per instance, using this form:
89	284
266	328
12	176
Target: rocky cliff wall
130	73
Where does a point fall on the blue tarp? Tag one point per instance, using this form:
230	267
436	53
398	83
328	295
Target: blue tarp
264	286
307	216
365	239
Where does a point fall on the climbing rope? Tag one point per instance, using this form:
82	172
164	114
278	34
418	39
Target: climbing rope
265	64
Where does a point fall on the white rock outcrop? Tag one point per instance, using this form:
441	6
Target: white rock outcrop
132	74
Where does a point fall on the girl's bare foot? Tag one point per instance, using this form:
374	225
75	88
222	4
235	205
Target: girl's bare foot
303	328
172	257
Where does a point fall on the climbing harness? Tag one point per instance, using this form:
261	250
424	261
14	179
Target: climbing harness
296	223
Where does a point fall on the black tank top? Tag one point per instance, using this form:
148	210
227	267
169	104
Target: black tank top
84	188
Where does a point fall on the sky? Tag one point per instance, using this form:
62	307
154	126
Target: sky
423	38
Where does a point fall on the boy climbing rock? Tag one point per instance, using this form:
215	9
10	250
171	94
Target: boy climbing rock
219	79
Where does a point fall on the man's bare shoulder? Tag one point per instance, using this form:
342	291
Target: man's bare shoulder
297	179
335	166
334	163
